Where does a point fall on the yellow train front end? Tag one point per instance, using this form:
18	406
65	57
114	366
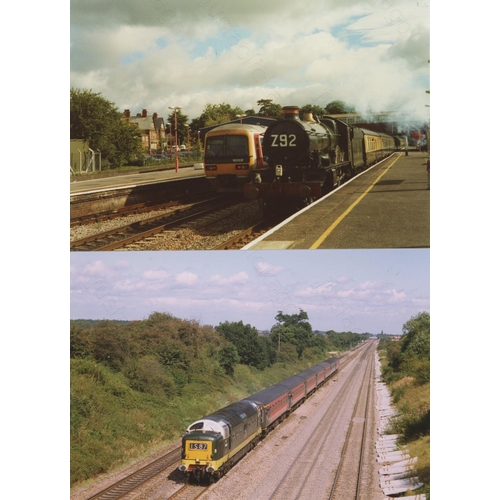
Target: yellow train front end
203	455
232	153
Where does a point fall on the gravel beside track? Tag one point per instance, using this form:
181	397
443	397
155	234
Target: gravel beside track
242	216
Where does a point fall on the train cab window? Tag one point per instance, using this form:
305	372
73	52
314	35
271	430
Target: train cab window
228	147
237	145
215	146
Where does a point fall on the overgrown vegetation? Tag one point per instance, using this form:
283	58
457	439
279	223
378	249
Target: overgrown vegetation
406	370
135	386
97	120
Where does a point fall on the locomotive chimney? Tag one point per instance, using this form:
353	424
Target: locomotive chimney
291	112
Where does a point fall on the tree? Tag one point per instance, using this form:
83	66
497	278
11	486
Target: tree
416	340
96	120
339	107
228	358
213	114
294	329
314	109
246	340
109	343
182	121
268	108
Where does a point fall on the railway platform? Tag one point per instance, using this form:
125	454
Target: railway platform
132	180
387	206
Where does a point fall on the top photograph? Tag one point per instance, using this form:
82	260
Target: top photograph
229	125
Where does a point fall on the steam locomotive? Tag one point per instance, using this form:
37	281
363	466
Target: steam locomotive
308	158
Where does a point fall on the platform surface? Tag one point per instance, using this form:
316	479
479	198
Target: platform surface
387	206
132	180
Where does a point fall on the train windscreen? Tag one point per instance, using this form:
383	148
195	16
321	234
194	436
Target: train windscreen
228	148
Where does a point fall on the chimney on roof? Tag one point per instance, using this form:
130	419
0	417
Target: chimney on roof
127	113
155	116
144	113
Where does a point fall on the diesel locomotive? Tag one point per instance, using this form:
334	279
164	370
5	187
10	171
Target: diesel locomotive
213	444
308	158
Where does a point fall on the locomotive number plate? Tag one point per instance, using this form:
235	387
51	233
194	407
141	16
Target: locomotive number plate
283	140
197	446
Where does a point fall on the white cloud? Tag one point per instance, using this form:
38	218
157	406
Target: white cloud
265	269
240	278
149	55
186	278
128	286
156	274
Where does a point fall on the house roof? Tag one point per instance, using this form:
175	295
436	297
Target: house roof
148	122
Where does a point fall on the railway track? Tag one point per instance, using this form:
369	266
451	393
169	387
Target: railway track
128	234
138	208
248	235
346	484
307	469
133	481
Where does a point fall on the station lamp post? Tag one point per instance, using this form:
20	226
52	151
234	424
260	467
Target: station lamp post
170	139
240	117
175	108
189	145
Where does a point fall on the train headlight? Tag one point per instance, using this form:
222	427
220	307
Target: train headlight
279	170
241	167
210	167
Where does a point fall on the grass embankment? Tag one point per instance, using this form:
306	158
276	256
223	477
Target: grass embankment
412	400
113	424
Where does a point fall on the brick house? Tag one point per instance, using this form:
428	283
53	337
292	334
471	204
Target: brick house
152	128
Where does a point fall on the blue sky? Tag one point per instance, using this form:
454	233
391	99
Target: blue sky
157	53
356	290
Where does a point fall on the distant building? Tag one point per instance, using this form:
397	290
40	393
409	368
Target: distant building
152	128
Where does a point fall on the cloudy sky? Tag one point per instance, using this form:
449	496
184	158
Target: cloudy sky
354	290
152	54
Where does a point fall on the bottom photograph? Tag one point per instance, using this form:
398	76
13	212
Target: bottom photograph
250	375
